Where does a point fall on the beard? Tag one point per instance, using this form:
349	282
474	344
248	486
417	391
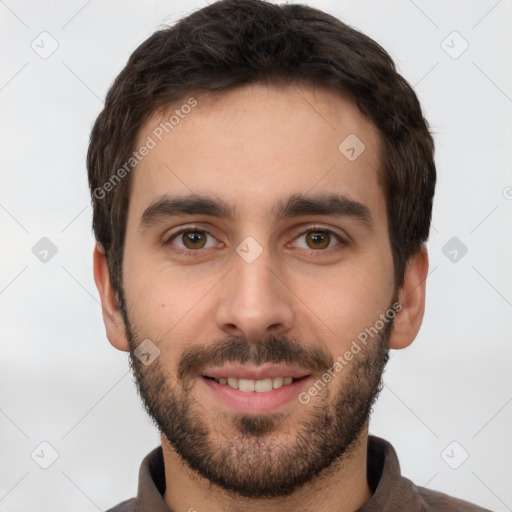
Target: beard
252	458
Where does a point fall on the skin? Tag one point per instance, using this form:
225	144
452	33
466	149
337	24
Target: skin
252	147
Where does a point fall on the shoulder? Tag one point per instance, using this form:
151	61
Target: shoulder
125	506
439	502
392	489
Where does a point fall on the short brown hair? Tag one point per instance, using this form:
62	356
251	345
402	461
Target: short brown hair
231	43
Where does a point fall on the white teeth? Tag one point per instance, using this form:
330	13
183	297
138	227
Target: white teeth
246	385
233	382
261	386
277	382
250	385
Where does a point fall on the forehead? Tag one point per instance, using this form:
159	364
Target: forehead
257	144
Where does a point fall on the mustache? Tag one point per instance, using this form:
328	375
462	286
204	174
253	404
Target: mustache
276	350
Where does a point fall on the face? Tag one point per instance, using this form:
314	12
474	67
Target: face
256	259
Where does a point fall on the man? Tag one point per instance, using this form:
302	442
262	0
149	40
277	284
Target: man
262	183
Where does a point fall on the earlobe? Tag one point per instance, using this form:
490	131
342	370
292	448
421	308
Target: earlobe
112	317
412	300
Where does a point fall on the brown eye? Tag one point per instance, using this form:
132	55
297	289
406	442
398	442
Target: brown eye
190	240
194	239
318	239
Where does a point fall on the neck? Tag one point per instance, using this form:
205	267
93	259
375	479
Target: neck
343	487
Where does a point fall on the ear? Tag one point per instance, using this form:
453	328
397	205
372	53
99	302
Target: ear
412	299
112	317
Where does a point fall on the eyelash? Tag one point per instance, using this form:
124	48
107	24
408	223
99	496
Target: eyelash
197	252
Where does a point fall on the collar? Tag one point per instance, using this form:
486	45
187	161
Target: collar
391	491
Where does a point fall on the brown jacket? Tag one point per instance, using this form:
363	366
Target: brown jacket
391	491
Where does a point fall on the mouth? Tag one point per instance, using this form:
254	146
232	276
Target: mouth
257	386
255	390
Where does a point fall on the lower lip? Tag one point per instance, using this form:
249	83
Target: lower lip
254	402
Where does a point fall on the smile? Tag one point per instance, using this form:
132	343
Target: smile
255	389
251	385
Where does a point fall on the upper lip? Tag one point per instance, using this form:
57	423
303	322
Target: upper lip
255	372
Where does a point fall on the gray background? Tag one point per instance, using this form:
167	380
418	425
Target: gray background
60	380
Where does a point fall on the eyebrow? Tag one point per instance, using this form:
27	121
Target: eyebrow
337	205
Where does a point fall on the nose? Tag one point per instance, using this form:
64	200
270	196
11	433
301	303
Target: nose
256	301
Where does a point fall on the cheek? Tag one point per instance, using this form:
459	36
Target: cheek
162	300
348	299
